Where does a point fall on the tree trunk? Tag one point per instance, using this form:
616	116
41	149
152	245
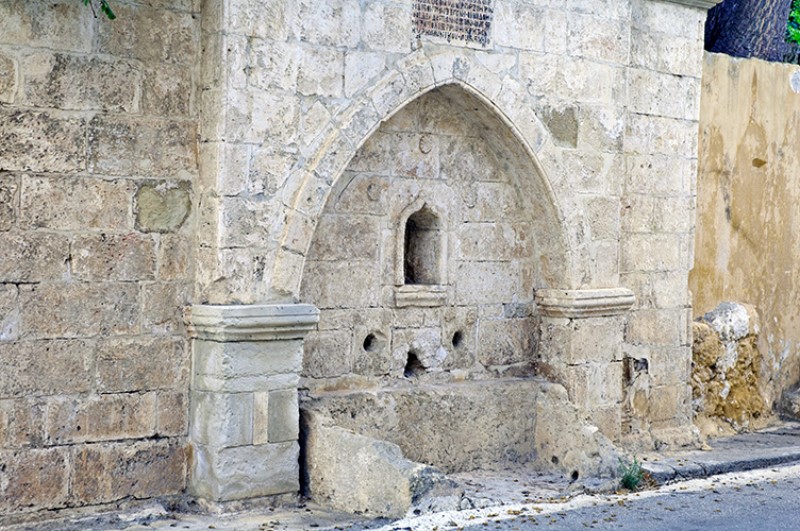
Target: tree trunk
749	28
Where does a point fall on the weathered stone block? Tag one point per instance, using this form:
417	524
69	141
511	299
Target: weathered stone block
33	257
486	282
9	201
246	366
487	241
100	418
79	310
41	141
648	135
360	68
162	306
444	425
321	72
327	354
123	257
246	471
333	23
81	82
507	342
34	479
273	64
122	145
221	420
125	365
650	94
355	237
332	287
354	473
46	367
162	206
140	34
26	23
8	78
61	203
656	252
167	90
387	27
174	255
106	472
261	17
9	312
172	418
599	39
283	416
655	327
22	423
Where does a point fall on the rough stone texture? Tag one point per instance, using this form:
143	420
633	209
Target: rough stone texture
745	238
455	427
727	379
94	386
359	474
106	472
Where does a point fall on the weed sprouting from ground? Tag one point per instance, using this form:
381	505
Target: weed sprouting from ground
631	474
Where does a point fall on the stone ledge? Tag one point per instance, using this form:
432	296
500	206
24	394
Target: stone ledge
702	4
420	296
256	322
584	303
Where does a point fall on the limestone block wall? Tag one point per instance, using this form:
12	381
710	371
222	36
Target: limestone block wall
657	217
747	242
97	164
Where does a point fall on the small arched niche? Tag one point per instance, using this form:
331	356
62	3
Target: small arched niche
423	253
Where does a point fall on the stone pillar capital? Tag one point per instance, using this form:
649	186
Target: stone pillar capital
250	322
584	303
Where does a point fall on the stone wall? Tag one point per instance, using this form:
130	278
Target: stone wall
97	163
747	244
194	152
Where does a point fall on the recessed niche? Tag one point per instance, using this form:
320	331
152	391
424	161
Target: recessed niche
422	248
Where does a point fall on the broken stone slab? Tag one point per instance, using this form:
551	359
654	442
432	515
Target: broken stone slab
358	474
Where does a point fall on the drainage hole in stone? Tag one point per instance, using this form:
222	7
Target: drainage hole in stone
413	366
575	475
554	460
458	339
371	343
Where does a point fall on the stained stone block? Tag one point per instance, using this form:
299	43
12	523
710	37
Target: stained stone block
41	141
34	478
100	418
79	82
60	203
107	472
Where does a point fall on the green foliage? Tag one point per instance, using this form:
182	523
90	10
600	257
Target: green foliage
793	27
104	8
631	474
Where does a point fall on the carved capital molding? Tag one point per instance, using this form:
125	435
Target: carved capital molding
250	322
584	303
700	4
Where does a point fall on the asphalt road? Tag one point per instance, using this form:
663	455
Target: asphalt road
719	504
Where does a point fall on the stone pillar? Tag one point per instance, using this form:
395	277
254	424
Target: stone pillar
581	348
244	417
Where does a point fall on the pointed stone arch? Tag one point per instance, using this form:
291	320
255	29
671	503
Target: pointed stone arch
504	101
